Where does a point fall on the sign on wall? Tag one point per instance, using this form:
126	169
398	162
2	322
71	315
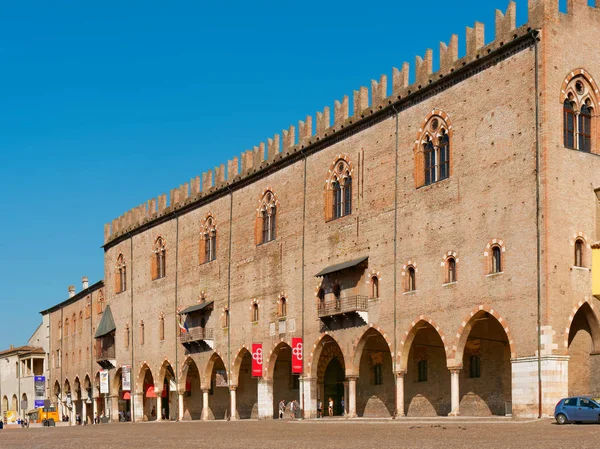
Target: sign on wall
257	359
296	355
104	381
39	385
126	378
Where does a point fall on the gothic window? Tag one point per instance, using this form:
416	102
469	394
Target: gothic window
100	304
579	104
450	270
254	312
374	287
411	279
496	259
120	275
266	222
433	151
338	199
159	259
579	246
208	241
226	318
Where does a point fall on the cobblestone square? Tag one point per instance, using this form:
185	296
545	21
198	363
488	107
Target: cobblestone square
310	434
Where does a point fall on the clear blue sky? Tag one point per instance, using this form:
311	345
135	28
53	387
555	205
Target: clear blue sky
105	106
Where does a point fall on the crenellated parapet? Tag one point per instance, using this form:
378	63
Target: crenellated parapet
295	139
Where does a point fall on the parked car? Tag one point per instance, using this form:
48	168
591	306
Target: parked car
577	409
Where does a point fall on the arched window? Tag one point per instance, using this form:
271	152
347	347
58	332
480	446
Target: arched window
120	275
66	328
255	312
411	279
226	318
338	200
282	307
579	126
74	324
496	259
433	151
142	332
374	287
159	259
209	240
579	246
126	336
266	224
80	321
161	327
450	270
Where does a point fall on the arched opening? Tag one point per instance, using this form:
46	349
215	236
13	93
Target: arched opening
24	405
146	381
286	386
584	356
376	386
331	375
247	392
218	404
123	397
76	396
168	391
15	403
427	380
4	403
67	399
86	398
98	397
485	380
192	397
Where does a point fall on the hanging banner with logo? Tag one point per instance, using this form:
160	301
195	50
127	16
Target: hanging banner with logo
126	378
257	359
296	356
104	381
40	390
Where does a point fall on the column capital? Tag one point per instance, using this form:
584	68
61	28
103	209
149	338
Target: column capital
180	392
233	387
351	378
455	369
400	373
206	390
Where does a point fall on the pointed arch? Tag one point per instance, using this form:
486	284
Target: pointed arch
586	309
579	97
338	188
265	228
320	355
237	363
359	346
273	355
208	370
409	336
433	149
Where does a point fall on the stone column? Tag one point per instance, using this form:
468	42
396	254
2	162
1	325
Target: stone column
309	387
265	399
233	402
138	407
106	407
114	408
205	407
352	397
159	405
455	393
95	409
180	403
83	412
346	397
400	393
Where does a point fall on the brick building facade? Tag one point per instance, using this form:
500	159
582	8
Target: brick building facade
433	251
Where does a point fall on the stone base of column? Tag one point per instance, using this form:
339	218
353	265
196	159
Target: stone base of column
265	399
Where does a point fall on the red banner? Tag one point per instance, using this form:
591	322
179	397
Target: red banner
296	356
257	359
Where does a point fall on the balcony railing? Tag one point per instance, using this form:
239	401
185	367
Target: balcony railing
196	334
105	353
350	304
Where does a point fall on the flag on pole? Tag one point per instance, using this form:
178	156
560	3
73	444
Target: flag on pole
182	326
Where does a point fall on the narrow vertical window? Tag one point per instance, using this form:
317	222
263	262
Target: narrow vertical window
579	253
142	333
282	307
226	318
161	327
378	374
429	153
126	336
120	275
475	367
255	313
267	219
347	195
272	223
422	371
159	268
496	259
585	129
451	270
411	282
337	199
444	156
569	123
374	287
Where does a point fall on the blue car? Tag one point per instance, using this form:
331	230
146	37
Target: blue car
577	409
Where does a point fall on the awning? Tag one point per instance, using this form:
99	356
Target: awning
126	395
149	390
107	324
196	308
341	266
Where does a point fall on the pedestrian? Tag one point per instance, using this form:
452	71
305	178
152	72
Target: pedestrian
319	409
281	409
153	412
330	407
293	409
342	403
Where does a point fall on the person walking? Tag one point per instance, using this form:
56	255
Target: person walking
342	403
281	408
330	407
293	409
319	408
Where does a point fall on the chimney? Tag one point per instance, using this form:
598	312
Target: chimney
84	283
71	291
12	347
